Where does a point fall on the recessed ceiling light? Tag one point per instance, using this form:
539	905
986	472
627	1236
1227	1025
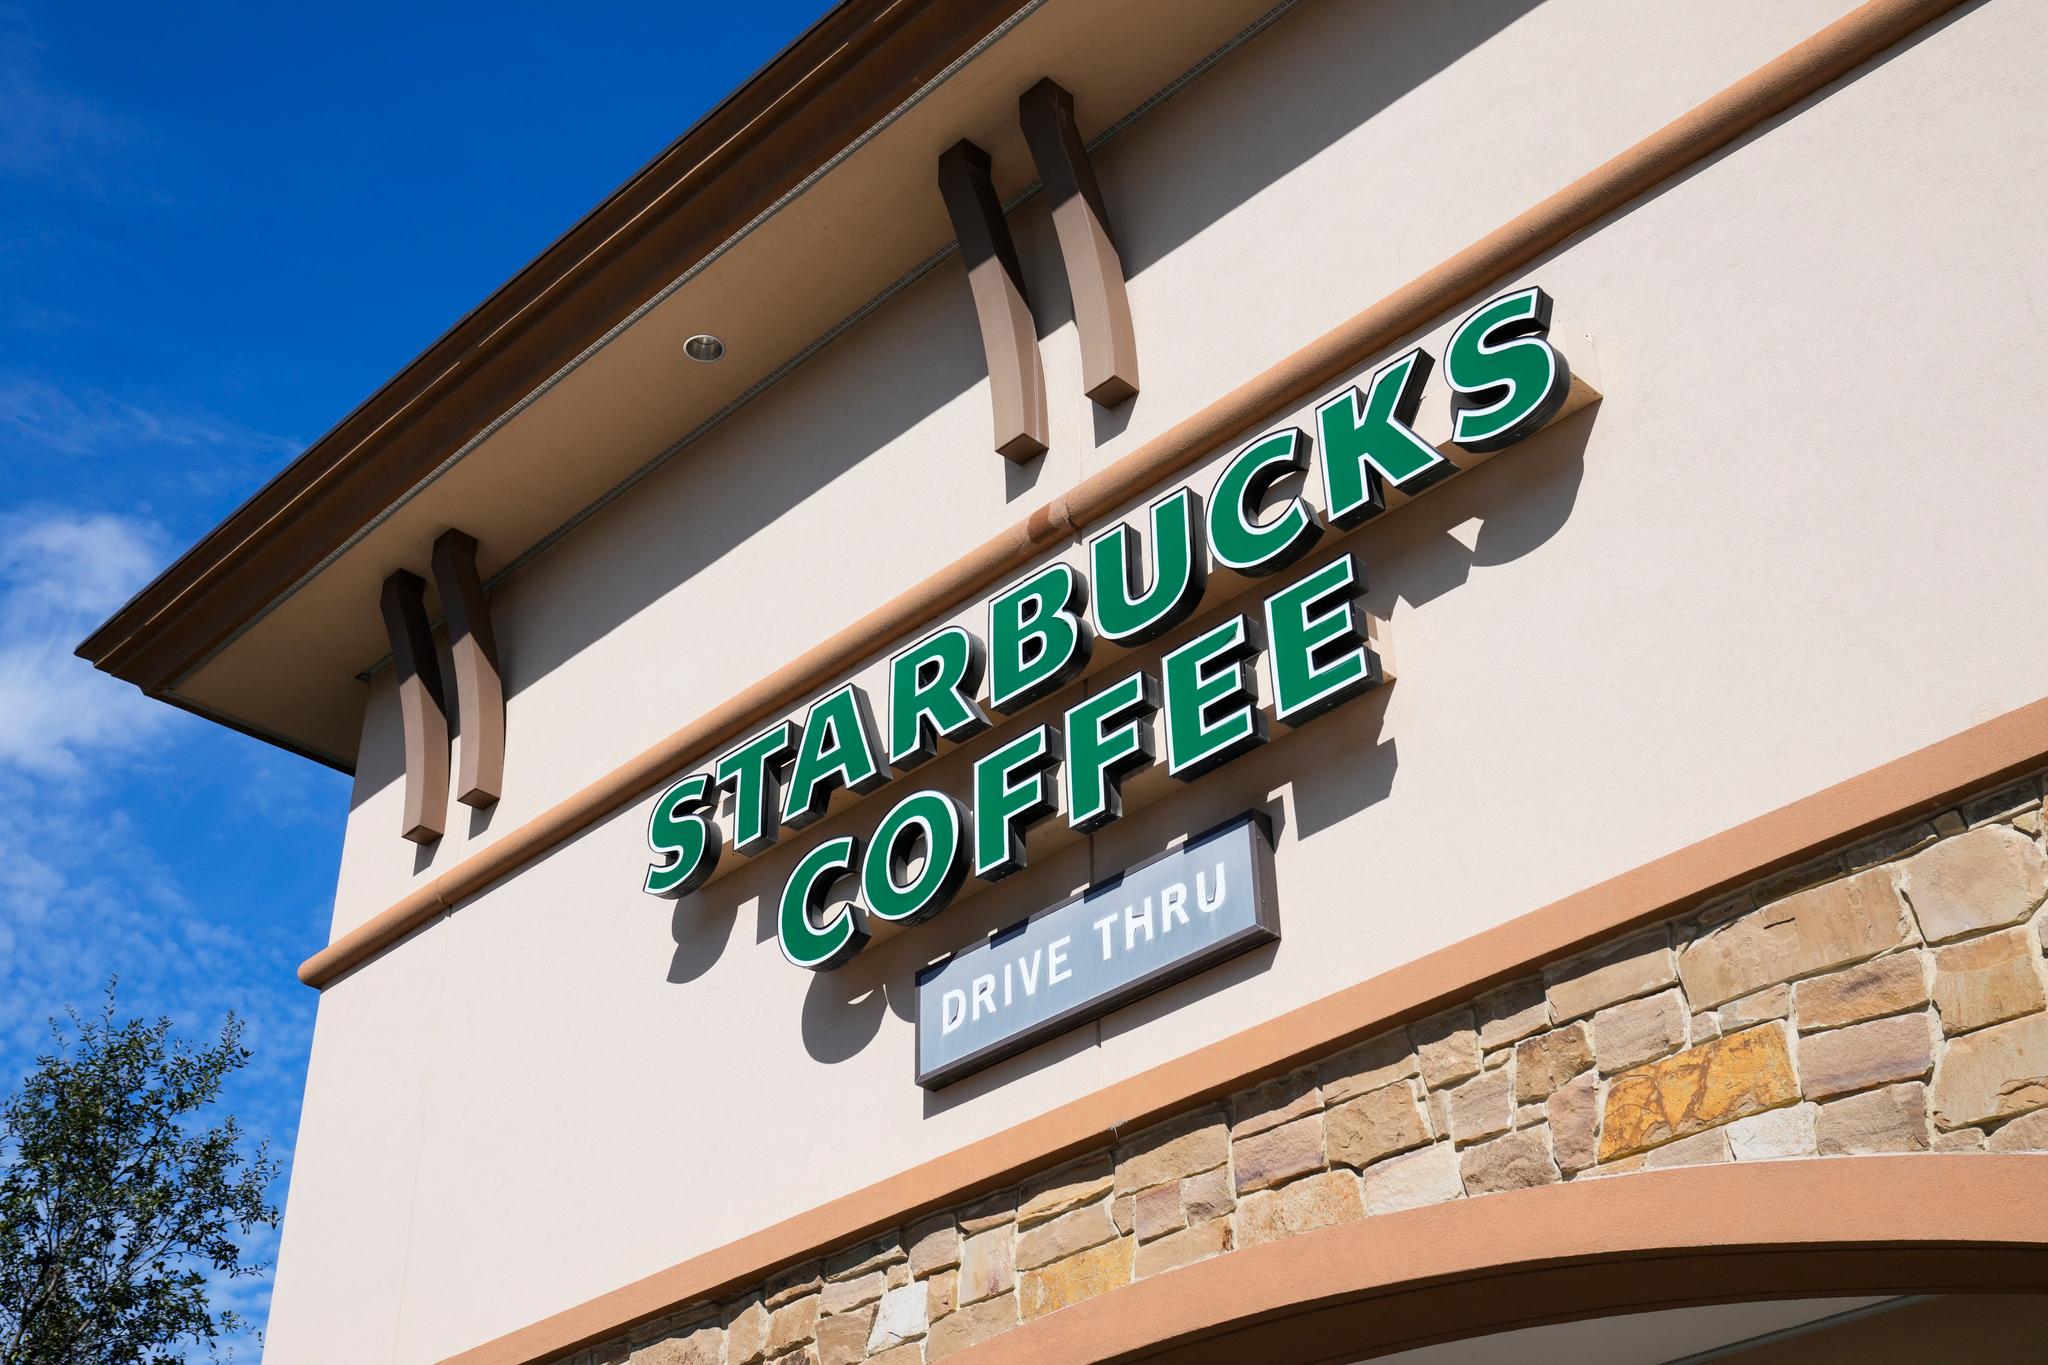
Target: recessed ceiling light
704	348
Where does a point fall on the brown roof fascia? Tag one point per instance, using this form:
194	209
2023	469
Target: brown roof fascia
834	82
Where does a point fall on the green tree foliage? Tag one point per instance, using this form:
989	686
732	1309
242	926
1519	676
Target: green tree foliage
121	1201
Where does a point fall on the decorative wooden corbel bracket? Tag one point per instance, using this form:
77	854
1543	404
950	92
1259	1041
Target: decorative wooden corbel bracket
1095	272
420	705
1008	334
479	688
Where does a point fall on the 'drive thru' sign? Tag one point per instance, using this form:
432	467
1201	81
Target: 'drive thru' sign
1159	922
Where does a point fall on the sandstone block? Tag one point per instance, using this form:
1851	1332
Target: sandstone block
2027	1133
1573	1113
793	1324
1157	1212
1639	1031
1990	877
942	1294
1207	1195
1181	1147
701	1345
1317	1201
843	1340
1273	1103
998	1210
1372	1064
1279	1154
806	1354
1986	980
913	1354
1900	1048
1375	1125
792	1284
2003	804
1703	1087
1770	1136
1548	1060
1961	1140
1514	1162
988	1265
934	1246
1123	1211
970	1326
1081	1276
903	1315
1069	1187
1512	1013
1889	985
1197	1243
1890	846
746	1332
1446	1048
1637	965
1890	1120
1831	925
1701	1149
1481	1107
1063	1236
877	1254
1772	1002
842	1296
1430	1176
1994	1073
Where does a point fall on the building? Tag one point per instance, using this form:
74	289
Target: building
1143	863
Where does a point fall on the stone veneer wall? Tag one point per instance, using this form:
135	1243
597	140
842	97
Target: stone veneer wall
1888	998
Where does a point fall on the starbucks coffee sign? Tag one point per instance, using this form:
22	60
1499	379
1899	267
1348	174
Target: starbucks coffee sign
1199	709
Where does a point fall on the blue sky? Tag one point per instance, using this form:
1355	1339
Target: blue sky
221	227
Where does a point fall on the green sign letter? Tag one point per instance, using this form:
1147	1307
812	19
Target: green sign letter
938	821
931	695
1168	559
750	773
1013	790
1365	441
1036	637
1108	736
838	750
1508	378
1313	647
1212	713
679	826
1254	547
804	941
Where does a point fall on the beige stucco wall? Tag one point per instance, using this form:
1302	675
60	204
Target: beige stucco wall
1792	543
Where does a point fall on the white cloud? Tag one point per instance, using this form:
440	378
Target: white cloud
61	574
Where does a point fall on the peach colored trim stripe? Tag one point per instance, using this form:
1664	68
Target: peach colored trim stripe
1684	142
1979	757
1895	1224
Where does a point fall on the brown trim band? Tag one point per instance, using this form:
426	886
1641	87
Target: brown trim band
1684	142
1980	757
1655	1239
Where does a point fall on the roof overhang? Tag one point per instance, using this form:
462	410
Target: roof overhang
799	199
